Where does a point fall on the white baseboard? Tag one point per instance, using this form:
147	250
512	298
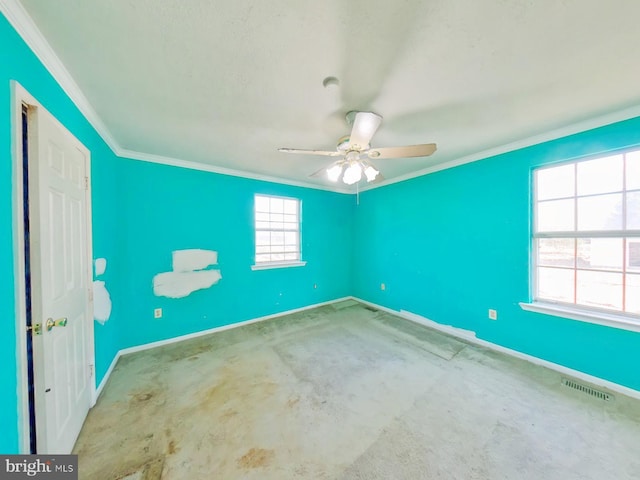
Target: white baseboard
103	382
182	338
470	336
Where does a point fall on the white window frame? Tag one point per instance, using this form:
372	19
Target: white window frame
263	265
575	311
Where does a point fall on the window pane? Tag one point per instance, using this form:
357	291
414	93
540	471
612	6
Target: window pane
633	210
602	212
555	284
633	170
277	238
602	175
633	255
291	206
599	289
262	203
291	238
601	253
290	226
556	216
633	293
277	205
263	238
556	252
276	220
555	182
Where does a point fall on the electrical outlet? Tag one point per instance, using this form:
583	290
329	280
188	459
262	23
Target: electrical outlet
493	314
315	285
157	313
383	286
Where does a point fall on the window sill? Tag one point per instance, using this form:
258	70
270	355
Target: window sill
270	265
589	316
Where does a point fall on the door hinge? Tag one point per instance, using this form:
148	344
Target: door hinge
86	183
90	371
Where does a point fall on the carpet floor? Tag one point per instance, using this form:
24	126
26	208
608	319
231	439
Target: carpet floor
344	392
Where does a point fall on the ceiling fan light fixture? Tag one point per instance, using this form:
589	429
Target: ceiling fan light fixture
371	173
355	150
334	172
352	174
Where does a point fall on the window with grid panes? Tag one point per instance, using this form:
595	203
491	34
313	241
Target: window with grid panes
587	234
277	229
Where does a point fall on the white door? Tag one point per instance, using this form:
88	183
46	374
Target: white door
58	202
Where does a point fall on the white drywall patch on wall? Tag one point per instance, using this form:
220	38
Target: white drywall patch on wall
188	274
101	302
193	259
182	284
101	297
100	266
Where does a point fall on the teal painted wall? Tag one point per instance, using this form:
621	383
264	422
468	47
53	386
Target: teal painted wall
455	243
8	398
177	209
141	213
18	63
448	246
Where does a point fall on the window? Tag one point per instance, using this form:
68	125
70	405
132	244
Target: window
277	225
587	234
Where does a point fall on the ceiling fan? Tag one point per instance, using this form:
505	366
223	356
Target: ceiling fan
355	151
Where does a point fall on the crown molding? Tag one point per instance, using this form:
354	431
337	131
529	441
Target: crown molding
18	17
28	30
205	167
571	129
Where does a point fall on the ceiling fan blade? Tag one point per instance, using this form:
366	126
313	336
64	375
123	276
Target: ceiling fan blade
365	125
408	151
311	152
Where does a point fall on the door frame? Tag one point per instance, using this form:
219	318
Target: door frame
19	97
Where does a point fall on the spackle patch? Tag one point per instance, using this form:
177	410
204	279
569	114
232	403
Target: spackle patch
188	275
101	297
101	302
182	284
193	259
100	266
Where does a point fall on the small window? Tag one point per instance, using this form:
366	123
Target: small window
277	226
587	234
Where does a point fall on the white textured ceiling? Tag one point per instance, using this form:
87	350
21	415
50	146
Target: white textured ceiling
225	83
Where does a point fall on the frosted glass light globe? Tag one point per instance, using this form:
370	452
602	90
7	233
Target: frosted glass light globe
352	174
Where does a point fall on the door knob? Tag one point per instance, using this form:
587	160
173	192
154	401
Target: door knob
61	322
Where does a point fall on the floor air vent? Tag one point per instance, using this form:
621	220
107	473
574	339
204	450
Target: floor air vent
587	389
